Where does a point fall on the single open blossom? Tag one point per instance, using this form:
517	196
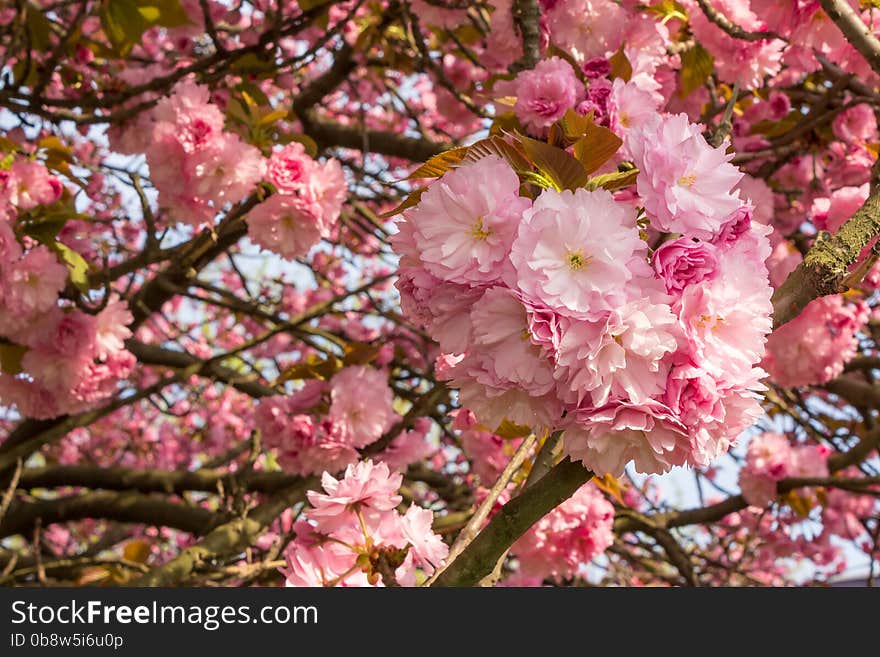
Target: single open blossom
30	184
591	28
354	525
111	328
544	93
361	404
365	485
631	105
30	287
503	344
621	356
287	225
725	320
573	252
683	262
290	168
857	125
427	547
684	183
466	221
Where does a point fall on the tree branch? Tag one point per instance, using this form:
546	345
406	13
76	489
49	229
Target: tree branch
825	267
512	521
854	29
130	506
227	539
154	481
527	18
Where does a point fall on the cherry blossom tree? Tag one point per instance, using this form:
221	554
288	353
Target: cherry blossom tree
439	293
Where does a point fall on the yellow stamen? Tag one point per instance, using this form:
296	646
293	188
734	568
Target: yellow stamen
688	180
577	259
478	232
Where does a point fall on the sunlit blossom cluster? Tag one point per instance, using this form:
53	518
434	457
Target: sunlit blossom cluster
557	312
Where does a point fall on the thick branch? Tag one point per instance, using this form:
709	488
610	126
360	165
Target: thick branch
527	18
227	539
125	507
154	355
854	29
153	481
329	133
826	266
512	521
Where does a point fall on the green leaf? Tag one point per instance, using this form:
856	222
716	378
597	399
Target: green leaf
10	357
360	353
59	156
620	66
696	67
39	28
567	130
596	147
167	13
8	146
76	265
310	144
313	367
506	122
409	202
613	181
123	24
308	5
497	145
667	10
535	178
440	164
509	430
565	171
45	229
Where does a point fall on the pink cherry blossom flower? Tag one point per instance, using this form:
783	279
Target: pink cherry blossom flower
502	344
608	438
465	222
31	185
111	329
427	547
621	357
814	347
361	404
573	252
290	168
363	486
684	183
569	537
545	92
287	225
683	262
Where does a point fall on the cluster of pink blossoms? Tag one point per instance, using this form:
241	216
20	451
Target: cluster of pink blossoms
200	169
354	535
197	167
310	437
567	538
557	313
814	347
306	206
68	359
771	458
